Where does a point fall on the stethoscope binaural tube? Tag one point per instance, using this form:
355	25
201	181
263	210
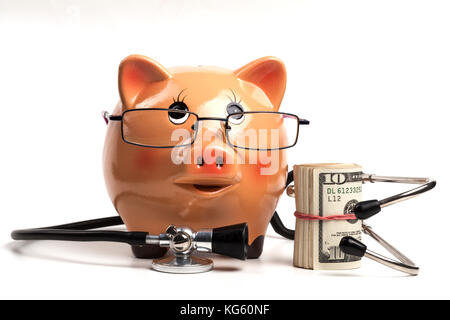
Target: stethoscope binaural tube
364	210
351	246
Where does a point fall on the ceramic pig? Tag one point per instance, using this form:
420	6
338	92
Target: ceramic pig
150	191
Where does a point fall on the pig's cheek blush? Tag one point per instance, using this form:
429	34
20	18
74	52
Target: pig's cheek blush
251	169
254	170
147	159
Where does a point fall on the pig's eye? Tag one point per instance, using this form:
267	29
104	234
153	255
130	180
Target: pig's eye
235	107
178	117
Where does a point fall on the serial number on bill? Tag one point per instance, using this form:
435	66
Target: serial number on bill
344	190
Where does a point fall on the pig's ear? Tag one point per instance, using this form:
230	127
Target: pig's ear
135	73
267	73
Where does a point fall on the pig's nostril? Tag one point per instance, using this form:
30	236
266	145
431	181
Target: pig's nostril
219	162
200	162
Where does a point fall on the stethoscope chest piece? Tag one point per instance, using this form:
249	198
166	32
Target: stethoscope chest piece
181	263
230	241
182	243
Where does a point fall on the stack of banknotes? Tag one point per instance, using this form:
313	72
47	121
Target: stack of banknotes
328	189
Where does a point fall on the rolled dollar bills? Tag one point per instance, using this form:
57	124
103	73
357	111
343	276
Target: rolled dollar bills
324	190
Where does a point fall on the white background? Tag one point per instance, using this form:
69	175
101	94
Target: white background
372	76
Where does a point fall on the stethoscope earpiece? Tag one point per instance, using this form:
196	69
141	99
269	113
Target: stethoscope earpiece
365	209
353	247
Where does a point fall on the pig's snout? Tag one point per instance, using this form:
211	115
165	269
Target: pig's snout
210	173
214	158
211	152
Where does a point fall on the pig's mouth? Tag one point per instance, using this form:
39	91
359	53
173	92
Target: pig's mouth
206	185
205	189
209	188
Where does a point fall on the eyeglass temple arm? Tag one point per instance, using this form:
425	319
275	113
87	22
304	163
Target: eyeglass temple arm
303	122
108	117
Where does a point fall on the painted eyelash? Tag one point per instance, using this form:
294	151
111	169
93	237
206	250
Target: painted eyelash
178	97
234	98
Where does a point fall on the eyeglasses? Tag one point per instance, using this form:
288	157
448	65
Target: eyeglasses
171	128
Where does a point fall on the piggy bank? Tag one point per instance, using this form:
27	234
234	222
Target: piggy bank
154	183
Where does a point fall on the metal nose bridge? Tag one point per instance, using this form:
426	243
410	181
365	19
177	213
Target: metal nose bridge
196	125
211	118
193	127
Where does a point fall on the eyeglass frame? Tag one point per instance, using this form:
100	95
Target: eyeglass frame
107	117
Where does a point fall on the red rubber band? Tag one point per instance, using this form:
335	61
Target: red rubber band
303	216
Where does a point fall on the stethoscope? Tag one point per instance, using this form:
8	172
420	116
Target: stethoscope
231	241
